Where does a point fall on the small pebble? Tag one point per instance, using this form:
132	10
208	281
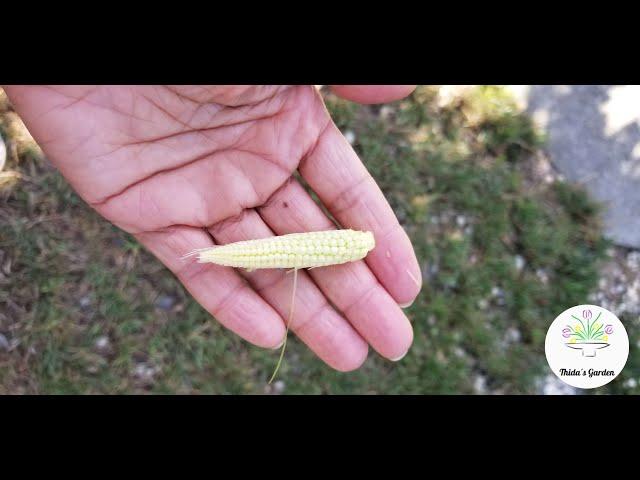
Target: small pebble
633	260
618	289
433	269
520	262
512	335
498	294
145	372
102	342
4	343
480	384
350	137
385	112
542	275
459	352
165	302
552	385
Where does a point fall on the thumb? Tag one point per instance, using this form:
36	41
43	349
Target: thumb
369	94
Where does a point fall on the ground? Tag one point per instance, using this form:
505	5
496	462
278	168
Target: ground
504	244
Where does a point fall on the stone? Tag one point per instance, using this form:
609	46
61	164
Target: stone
4	343
278	387
85	301
552	385
480	385
350	136
165	302
102	342
3	153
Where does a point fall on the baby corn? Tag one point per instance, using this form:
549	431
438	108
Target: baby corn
295	250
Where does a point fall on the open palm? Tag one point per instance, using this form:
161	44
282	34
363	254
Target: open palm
182	168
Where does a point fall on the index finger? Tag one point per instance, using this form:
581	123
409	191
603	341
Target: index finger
347	189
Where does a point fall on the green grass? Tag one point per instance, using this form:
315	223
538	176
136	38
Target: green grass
456	178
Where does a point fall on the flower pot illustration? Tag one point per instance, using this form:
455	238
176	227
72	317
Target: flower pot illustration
586	335
588	348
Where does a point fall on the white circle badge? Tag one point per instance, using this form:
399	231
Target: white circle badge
586	346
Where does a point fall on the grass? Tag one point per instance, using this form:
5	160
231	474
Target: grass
87	310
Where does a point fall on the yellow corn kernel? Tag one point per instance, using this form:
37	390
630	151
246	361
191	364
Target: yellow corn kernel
295	250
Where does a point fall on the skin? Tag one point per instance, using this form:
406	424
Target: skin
185	167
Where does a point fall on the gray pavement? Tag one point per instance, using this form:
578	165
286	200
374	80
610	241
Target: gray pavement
594	139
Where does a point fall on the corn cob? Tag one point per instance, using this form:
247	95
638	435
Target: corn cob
295	250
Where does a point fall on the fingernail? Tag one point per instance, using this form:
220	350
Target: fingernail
405	305
400	357
278	346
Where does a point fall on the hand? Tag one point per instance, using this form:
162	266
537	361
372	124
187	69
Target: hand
182	168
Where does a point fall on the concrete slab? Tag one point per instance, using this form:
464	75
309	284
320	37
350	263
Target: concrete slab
594	139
